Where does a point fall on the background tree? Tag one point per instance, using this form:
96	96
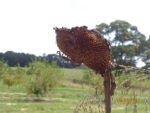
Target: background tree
146	55
127	41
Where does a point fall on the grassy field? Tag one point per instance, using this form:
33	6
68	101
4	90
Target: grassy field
74	97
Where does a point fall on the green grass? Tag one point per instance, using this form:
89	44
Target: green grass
65	98
72	74
59	100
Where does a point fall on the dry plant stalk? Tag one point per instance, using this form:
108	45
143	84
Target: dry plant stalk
126	109
86	105
135	105
146	105
81	45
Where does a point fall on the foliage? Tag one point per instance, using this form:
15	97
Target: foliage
3	68
95	80
39	78
5	73
14	76
124	81
127	42
8	80
44	76
146	55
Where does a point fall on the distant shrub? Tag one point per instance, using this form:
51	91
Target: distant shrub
93	79
127	84
44	76
13	76
3	68
8	80
125	81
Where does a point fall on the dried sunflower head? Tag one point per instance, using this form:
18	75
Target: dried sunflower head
81	45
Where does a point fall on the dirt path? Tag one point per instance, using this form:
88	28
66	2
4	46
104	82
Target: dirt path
11	93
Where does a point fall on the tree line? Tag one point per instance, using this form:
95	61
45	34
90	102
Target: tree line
22	59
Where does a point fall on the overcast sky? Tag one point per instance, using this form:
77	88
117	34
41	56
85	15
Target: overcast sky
27	25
